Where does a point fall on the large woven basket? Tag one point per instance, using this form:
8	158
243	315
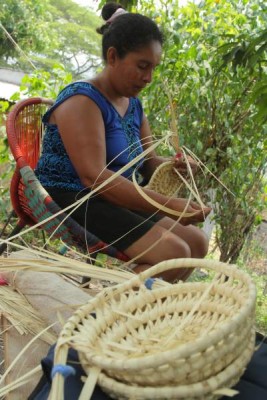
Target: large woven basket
169	341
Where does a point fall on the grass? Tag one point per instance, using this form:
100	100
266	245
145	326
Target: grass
253	260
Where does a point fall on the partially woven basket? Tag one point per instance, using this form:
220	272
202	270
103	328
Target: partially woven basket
166	181
181	341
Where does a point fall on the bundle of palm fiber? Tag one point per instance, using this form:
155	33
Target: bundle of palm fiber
189	340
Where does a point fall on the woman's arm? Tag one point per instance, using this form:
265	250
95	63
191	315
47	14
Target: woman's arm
81	127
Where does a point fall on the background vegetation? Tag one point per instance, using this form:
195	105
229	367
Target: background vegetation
214	62
49	32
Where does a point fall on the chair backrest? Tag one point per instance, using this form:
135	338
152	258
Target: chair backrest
25	129
24	132
30	200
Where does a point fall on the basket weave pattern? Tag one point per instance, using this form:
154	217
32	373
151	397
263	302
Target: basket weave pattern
204	390
165	180
180	341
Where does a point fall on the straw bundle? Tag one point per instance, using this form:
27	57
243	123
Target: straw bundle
181	341
21	315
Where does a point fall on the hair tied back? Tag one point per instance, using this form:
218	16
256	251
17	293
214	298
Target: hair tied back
117	13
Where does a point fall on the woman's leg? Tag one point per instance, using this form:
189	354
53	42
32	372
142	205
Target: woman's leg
195	238
146	241
160	244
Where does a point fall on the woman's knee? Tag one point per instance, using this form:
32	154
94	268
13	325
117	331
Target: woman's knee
200	244
169	246
159	245
193	236
194	244
175	247
179	249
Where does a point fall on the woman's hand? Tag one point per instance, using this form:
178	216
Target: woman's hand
182	164
200	213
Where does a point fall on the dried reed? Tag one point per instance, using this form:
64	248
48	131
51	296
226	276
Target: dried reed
21	315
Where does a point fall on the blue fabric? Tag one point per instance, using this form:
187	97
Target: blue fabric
55	169
149	283
72	385
64	370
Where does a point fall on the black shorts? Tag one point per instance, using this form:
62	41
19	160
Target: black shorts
109	222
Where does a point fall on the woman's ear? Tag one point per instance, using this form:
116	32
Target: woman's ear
112	56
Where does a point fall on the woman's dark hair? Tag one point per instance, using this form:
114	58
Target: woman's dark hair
127	32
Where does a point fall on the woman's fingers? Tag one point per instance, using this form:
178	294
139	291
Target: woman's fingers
206	210
196	218
182	164
199	213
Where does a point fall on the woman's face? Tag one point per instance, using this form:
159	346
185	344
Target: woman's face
131	74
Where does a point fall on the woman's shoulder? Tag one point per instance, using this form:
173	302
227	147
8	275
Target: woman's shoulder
74	88
77	88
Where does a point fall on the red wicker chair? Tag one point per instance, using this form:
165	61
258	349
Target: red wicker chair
31	202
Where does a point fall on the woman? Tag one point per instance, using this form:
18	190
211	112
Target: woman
95	128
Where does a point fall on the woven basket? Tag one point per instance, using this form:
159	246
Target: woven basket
166	181
180	341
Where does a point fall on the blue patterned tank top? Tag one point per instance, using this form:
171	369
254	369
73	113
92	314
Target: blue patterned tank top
123	144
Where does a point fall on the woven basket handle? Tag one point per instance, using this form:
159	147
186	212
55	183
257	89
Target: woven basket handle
218	266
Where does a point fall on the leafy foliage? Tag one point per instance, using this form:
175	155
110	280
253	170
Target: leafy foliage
49	32
27	23
43	83
214	74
